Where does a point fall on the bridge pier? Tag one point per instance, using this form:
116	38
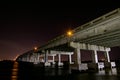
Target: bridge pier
94	48
107	58
59	55
94	56
70	59
46	63
53	59
78	65
59	60
77	62
107	63
94	64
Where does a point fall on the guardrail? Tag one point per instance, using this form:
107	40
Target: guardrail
108	15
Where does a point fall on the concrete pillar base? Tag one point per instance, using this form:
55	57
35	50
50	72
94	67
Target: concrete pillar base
47	64
60	64
92	66
74	66
53	63
107	64
79	67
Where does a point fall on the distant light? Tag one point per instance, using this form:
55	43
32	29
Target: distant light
35	48
69	33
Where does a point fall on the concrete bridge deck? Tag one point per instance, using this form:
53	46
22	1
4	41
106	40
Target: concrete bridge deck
97	35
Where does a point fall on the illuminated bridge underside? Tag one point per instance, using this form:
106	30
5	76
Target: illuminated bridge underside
103	31
97	35
111	39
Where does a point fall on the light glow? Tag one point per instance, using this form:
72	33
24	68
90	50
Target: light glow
69	33
35	48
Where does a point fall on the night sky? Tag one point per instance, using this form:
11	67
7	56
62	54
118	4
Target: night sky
24	26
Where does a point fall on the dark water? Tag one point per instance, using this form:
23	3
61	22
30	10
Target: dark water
27	71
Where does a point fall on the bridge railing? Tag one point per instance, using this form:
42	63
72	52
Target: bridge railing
106	16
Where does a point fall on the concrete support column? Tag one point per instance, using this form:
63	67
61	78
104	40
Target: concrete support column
94	64
27	58
95	57
107	58
38	57
46	59
70	60
34	58
31	58
107	63
59	59
46	56
53	59
77	50
77	56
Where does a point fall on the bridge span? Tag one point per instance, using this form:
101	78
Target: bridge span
99	34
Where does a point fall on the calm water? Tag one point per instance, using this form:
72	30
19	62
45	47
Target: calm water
26	71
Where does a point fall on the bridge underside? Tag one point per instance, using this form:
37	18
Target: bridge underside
109	39
64	47
98	35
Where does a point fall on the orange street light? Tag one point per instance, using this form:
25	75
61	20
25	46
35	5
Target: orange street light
69	33
35	48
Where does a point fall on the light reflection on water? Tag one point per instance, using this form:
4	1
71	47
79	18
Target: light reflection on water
107	74
14	71
112	71
23	71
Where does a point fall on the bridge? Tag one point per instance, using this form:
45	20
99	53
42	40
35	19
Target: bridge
99	34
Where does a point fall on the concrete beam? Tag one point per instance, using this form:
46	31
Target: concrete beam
60	52
88	46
